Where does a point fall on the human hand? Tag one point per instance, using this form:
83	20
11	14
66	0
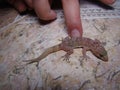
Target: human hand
42	8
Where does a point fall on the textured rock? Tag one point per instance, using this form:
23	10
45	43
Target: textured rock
26	38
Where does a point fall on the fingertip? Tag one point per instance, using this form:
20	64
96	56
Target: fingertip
21	9
53	14
29	3
49	16
20	6
43	10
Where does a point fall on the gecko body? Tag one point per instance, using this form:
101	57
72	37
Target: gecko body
68	44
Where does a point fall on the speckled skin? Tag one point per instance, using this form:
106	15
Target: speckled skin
68	44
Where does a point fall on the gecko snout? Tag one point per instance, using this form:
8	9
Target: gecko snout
104	58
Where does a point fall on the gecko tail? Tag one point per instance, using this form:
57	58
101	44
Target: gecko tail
30	61
44	54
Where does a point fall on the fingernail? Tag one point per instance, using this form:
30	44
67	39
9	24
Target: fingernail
75	33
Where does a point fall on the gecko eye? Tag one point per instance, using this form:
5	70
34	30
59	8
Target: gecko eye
101	55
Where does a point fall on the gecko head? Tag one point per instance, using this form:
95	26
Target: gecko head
100	52
103	56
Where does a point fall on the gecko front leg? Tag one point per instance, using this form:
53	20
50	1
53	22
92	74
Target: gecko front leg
67	55
67	46
69	51
84	53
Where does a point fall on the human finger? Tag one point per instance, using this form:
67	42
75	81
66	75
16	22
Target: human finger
72	17
18	4
29	3
43	10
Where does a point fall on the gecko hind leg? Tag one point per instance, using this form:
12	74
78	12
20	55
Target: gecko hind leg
66	57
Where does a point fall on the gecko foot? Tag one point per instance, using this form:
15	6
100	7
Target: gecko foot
66	58
85	57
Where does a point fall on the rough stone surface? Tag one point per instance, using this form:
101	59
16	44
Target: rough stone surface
25	38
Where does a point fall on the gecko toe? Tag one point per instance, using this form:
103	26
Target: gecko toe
66	58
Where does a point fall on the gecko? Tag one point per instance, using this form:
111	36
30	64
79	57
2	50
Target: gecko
68	45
